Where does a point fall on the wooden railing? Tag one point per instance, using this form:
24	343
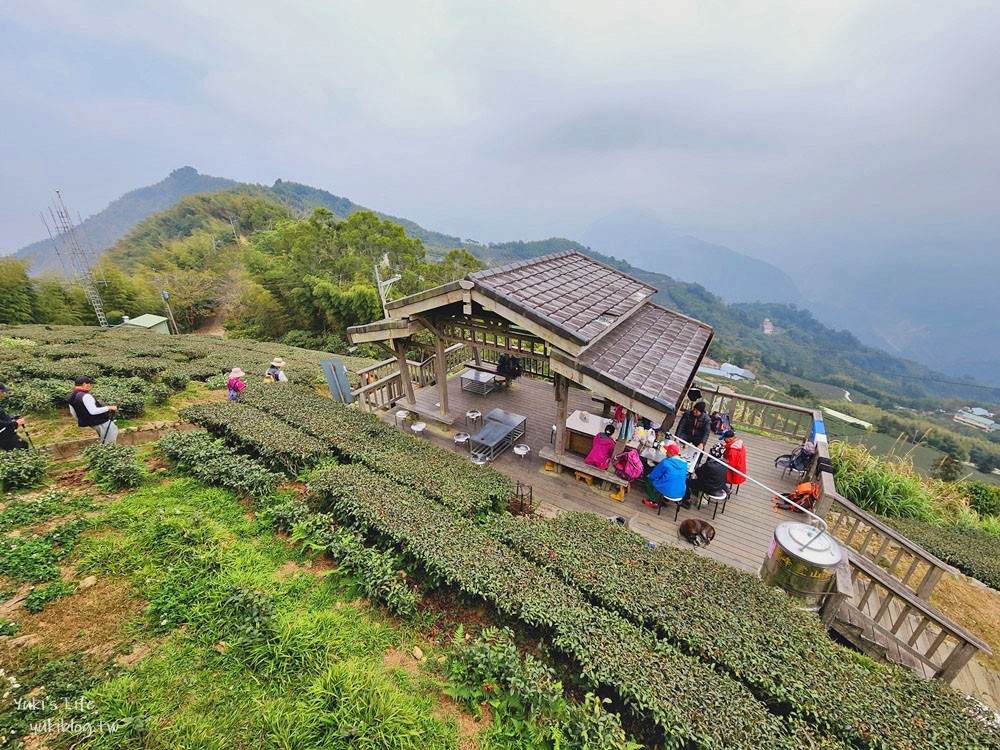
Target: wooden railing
762	416
381	385
868	537
898	624
380	394
533	366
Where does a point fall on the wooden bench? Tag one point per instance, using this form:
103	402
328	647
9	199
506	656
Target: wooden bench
585	472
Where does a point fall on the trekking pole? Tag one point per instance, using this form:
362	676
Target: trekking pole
31	443
107	429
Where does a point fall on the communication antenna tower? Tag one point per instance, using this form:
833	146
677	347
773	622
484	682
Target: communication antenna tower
73	256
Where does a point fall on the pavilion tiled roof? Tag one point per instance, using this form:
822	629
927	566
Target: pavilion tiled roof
651	356
566	290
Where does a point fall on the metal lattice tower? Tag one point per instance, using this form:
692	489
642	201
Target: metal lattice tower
73	256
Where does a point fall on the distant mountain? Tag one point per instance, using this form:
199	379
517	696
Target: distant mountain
644	240
105	228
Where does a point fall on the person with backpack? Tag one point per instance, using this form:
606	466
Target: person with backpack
603	448
89	412
9	440
235	384
274	373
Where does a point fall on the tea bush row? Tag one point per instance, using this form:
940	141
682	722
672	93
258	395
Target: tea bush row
529	705
976	553
691	704
747	630
214	462
376	572
362	438
258	434
114	467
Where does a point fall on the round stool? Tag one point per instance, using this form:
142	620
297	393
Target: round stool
474	416
522	450
552	437
418	428
462	438
480	459
401	414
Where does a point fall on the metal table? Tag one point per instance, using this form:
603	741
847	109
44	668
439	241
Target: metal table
517	423
491	441
477	381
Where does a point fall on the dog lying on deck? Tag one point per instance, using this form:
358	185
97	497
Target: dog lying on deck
697	532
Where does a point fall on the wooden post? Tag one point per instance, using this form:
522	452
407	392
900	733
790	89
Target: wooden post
441	374
562	401
404	372
475	355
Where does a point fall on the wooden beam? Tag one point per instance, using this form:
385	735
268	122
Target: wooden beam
388	334
543	333
404	373
562	401
591	384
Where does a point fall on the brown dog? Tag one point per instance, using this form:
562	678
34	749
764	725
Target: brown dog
697	532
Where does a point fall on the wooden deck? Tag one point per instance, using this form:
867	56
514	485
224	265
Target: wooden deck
743	532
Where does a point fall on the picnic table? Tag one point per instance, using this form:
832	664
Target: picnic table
499	432
477	381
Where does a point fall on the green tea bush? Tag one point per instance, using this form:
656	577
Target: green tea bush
530	709
976	553
214	462
22	468
362	438
258	434
175	377
655	680
159	393
114	467
744	629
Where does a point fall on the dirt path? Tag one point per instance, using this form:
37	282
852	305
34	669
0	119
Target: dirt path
213	326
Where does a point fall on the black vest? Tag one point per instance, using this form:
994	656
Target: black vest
83	417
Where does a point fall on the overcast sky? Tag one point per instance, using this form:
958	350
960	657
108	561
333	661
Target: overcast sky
860	127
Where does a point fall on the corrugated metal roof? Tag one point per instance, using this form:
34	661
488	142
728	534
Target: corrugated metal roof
146	321
653	354
567	290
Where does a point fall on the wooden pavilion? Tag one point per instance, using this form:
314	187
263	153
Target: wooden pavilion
580	320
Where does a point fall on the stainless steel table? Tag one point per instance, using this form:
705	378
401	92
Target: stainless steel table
491	441
516	422
477	381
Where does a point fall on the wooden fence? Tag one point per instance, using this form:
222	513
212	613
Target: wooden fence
759	415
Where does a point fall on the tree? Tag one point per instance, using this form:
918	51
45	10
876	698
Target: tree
949	469
17	292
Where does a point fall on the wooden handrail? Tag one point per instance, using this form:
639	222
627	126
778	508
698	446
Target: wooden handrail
935	567
774	417
923	619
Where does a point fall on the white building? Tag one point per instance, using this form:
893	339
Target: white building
967	417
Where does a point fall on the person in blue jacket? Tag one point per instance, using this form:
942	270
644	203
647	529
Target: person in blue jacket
669	478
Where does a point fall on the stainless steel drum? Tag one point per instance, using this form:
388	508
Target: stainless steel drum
802	560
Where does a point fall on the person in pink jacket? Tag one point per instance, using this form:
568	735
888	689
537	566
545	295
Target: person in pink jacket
603	448
235	384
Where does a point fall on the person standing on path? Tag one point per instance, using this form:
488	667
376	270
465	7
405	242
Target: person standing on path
89	412
235	384
694	428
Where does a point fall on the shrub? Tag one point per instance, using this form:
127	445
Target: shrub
8	627
159	393
985	498
257	433
362	438
717	614
22	469
214	462
529	705
114	467
175	378
976	553
888	488
655	679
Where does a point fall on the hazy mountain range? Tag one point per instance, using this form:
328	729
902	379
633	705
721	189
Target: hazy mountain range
927	308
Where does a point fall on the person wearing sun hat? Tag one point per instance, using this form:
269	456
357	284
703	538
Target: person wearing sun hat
274	373
669	478
235	384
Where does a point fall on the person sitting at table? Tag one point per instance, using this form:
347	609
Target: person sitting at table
603	448
668	479
735	455
710	477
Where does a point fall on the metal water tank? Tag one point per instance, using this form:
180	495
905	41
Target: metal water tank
802	560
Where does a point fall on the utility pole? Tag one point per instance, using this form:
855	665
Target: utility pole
165	295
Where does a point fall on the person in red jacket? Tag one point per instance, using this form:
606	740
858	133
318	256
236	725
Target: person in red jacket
735	455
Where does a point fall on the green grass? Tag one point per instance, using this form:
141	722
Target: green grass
242	658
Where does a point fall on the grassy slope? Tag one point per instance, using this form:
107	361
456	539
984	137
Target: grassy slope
177	661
